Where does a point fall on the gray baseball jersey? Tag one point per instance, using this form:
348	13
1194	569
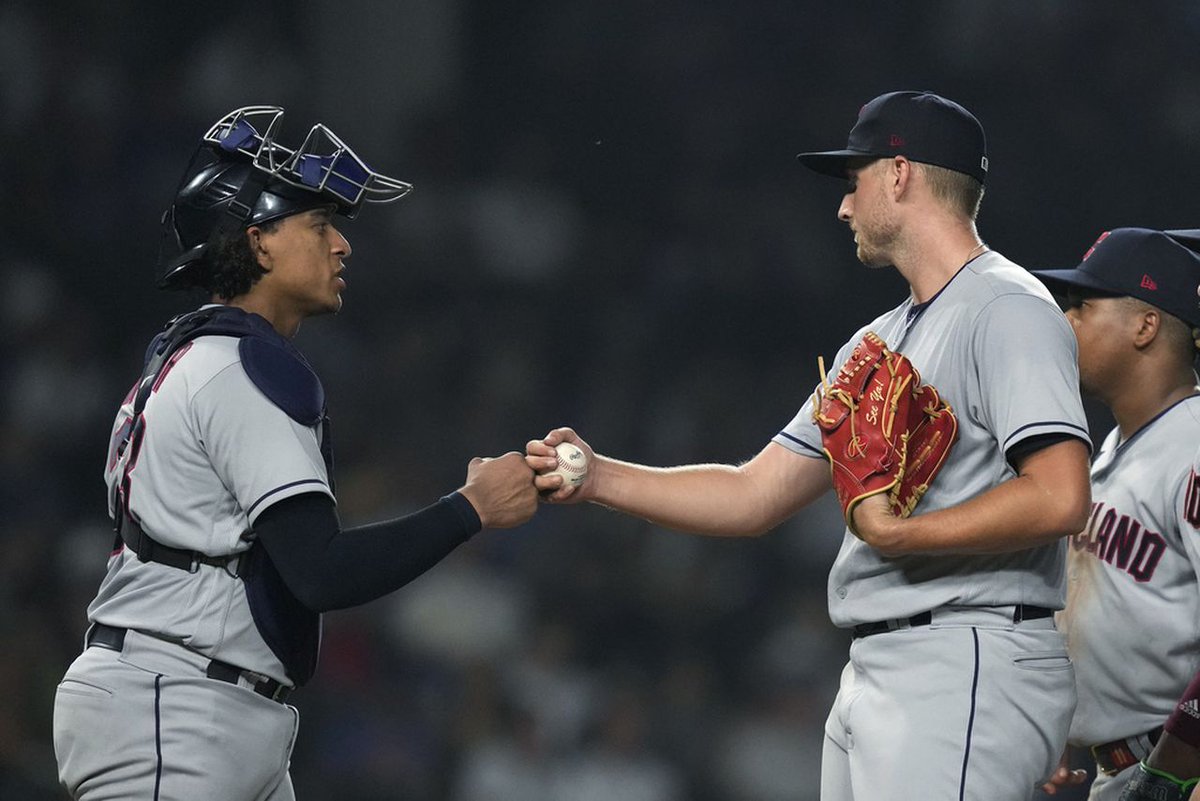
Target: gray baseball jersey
1133	598
215	454
1001	353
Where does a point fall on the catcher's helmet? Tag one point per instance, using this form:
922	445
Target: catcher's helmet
239	177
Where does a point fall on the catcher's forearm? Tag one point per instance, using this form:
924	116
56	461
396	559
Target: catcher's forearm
1048	500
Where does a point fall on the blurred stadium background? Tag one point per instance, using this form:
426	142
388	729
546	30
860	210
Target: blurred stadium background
609	231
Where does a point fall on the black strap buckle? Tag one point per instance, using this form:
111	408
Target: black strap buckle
263	685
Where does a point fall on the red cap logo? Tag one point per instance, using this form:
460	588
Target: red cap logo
1148	283
1096	244
896	140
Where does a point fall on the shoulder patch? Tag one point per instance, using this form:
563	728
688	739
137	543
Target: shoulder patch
284	378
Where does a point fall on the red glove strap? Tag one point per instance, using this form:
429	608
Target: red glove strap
1184	722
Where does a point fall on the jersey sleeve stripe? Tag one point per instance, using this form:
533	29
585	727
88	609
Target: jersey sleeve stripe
1047	427
280	489
802	444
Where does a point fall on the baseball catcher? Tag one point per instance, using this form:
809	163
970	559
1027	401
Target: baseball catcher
227	544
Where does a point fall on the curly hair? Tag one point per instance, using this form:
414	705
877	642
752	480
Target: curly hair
234	268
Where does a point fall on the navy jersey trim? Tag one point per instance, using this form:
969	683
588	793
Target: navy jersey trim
962	782
1154	420
158	762
281	488
917	309
802	444
1083	432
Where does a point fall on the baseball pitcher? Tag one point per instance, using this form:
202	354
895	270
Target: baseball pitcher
953	434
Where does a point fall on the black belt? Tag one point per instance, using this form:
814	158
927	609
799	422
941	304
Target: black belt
1112	758
113	639
1021	612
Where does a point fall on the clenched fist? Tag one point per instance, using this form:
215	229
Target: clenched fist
501	490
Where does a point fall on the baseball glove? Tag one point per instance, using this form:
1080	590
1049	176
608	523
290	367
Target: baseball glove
881	428
1148	784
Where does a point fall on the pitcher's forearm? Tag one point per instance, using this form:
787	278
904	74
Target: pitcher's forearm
710	499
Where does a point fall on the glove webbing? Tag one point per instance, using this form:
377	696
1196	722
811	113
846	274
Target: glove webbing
845	397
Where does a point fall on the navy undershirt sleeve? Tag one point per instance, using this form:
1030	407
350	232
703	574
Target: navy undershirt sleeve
1017	453
328	567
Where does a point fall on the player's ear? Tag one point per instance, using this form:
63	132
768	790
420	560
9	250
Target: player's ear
258	247
899	171
1149	321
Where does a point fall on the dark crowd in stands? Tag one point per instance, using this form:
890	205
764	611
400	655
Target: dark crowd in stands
610	231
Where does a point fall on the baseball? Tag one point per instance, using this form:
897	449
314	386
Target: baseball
572	464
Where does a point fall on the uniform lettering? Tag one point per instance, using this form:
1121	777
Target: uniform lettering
129	435
1100	536
1121	541
176	356
1149	552
1191	504
115	445
1080	541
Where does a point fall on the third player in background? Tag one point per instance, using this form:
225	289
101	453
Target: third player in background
1133	599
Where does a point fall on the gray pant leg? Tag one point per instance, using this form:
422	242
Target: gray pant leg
148	724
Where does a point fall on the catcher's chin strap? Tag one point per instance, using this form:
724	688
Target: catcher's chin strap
240	207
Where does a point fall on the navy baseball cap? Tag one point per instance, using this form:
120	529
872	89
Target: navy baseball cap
921	126
1161	268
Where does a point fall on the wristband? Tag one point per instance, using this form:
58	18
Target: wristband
1184	785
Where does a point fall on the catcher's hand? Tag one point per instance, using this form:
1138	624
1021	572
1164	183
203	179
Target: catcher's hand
1150	784
881	428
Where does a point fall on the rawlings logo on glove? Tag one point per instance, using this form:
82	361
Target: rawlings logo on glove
881	428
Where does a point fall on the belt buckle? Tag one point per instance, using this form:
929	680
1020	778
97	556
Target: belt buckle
1112	758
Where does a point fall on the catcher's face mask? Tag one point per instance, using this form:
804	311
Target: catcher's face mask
241	176
323	163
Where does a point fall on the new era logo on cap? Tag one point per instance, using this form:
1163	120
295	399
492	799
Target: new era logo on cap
1148	283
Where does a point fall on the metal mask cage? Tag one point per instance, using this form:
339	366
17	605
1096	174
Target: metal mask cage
322	164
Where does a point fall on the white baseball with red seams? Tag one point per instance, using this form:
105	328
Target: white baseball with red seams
572	464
